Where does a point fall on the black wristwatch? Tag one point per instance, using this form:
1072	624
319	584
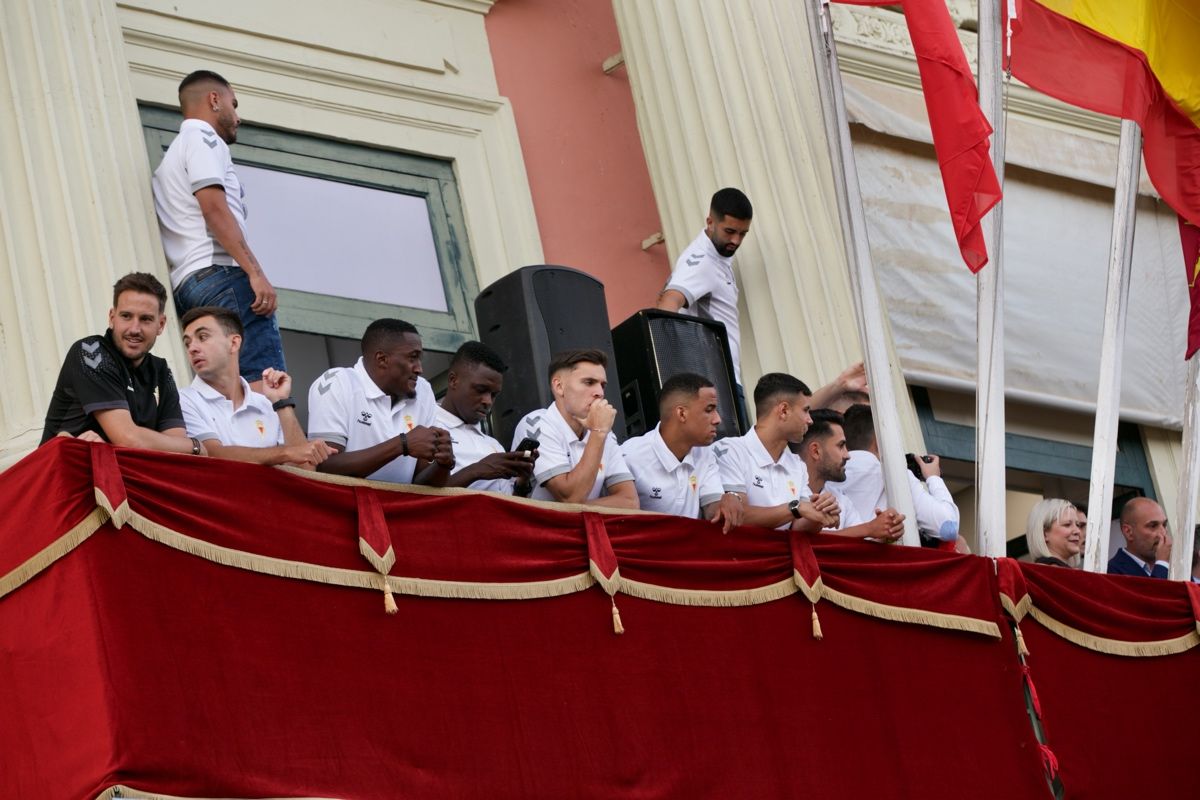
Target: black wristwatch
286	402
794	507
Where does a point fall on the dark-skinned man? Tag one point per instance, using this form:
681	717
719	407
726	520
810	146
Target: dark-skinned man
760	468
824	453
475	377
110	387
379	414
673	467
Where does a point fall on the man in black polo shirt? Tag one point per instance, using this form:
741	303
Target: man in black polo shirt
111	388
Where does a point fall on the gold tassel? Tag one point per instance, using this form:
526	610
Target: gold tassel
1022	650
389	601
816	621
618	628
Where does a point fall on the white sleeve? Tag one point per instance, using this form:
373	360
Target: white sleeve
936	512
731	463
328	416
694	278
194	418
202	162
709	477
553	459
850	515
615	469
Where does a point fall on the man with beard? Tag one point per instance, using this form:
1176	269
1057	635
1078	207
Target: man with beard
379	415
475	377
111	389
578	457
702	281
673	467
224	413
824	453
202	220
1147	550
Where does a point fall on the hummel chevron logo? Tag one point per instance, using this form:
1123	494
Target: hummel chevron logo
210	142
720	451
693	262
90	347
323	388
536	433
93	361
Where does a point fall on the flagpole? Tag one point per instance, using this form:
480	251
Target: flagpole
868	308
1183	532
990	477
1116	304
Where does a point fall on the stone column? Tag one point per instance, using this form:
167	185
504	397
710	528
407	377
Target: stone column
726	95
75	204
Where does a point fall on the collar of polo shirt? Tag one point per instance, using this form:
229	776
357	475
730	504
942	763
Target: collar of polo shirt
758	451
665	457
370	389
249	398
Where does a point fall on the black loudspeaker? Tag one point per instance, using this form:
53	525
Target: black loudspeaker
529	315
652	346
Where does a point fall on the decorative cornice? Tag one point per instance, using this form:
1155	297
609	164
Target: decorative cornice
476	6
873	43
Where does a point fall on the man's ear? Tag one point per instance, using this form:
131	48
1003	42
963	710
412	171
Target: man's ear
556	385
451	379
236	339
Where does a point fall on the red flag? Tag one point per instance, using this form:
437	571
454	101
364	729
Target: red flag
1189	234
960	130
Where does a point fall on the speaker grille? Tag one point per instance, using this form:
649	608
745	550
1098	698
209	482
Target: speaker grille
679	345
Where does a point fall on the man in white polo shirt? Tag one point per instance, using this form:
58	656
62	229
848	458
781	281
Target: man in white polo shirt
202	220
761	469
578	457
475	377
823	451
673	466
702	281
222	411
380	415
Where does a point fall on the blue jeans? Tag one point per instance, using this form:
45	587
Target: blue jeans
229	287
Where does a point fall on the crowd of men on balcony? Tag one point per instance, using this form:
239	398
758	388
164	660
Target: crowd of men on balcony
802	465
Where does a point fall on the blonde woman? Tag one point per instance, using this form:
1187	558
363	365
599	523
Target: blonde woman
1052	533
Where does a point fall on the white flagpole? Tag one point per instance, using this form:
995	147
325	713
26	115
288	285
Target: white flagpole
1116	304
990	478
868	308
1184	528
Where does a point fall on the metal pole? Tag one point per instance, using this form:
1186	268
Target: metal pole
990	476
1112	346
1184	528
868	308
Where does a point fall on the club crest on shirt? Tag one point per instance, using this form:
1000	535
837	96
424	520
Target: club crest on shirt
364	418
792	487
692	481
408	421
261	427
155	395
758	482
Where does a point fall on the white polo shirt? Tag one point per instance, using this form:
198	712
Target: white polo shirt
346	408
208	414
747	467
705	278
560	450
471	444
665	483
936	510
197	158
850	516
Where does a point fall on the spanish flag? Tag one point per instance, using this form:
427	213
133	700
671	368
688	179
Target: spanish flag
960	130
1189	235
1134	59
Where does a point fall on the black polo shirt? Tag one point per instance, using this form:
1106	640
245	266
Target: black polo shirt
95	376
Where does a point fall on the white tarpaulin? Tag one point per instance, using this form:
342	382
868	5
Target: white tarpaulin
1056	237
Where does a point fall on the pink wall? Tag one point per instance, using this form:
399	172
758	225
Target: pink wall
591	189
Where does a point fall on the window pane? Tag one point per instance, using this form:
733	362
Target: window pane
333	238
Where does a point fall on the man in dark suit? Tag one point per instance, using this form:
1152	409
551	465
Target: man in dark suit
1147	550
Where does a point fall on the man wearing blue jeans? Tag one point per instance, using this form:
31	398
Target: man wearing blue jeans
202	219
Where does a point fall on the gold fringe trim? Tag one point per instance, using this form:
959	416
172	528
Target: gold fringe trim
358	579
126	793
811	593
1115	647
610	585
452	491
53	551
709	597
1018	610
119	515
383	564
953	622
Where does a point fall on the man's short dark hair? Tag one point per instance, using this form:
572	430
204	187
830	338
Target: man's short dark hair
730	202
685	384
823	420
859	426
569	358
201	76
772	387
143	283
477	353
228	320
382	332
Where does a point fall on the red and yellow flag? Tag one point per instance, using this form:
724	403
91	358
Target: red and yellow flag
960	129
1189	234
1134	59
